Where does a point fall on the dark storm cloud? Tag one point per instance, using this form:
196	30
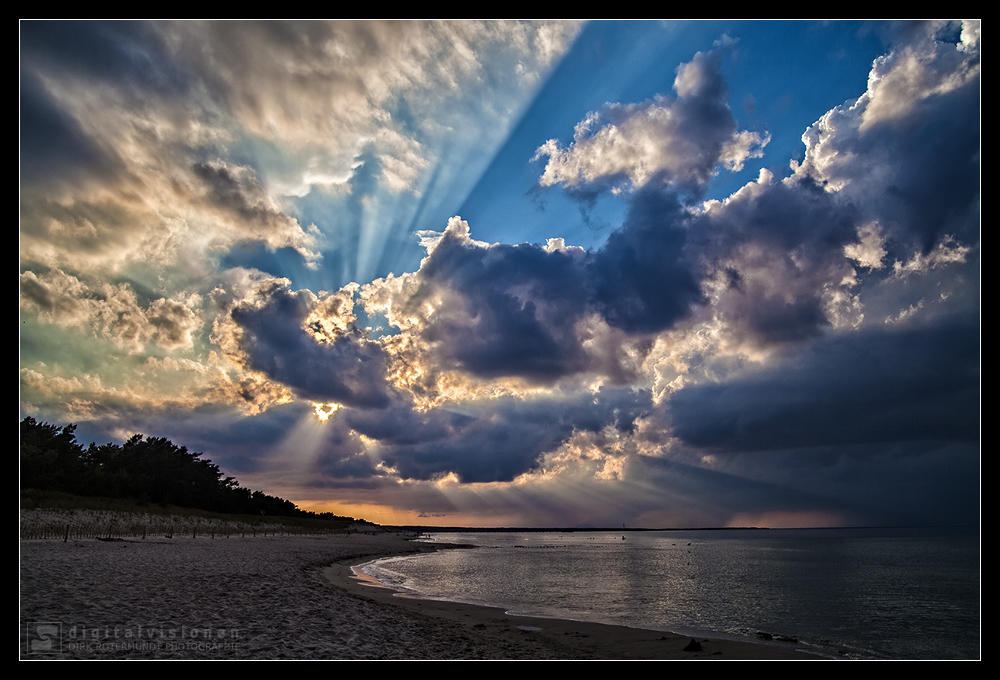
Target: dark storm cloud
871	387
403	426
517	313
935	189
493	441
349	370
885	484
792	216
641	280
515	310
777	251
780	248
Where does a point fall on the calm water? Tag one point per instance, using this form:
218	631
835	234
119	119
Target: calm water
875	593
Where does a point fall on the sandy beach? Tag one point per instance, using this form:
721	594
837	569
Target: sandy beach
287	597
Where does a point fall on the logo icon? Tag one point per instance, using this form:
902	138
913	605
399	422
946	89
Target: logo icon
44	637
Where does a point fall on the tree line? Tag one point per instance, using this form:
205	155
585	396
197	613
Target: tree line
147	469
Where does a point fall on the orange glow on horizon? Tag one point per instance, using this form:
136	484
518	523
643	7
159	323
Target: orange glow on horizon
802	519
390	516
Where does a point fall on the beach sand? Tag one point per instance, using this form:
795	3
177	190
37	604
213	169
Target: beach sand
288	597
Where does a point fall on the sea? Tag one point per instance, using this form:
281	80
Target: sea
910	593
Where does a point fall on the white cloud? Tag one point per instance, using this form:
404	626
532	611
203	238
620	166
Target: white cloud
869	250
900	83
681	141
945	253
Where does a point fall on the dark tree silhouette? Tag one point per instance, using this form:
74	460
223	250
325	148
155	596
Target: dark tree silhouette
148	469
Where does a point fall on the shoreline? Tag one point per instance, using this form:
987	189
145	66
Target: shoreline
581	639
272	598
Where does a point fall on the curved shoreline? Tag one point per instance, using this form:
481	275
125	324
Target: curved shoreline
267	598
576	639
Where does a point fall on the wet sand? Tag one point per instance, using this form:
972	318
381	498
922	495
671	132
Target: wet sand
288	598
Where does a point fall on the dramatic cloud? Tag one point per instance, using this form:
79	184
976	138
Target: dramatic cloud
276	337
678	141
502	310
907	151
642	278
325	91
244	236
875	387
112	311
133	129
773	258
540	313
494	441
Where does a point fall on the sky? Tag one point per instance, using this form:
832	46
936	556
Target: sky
534	274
